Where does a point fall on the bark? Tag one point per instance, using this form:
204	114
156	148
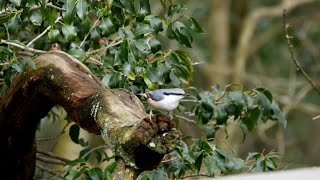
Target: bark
116	114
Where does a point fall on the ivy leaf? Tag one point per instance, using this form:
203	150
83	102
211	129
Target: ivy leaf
82	8
220	115
195	26
107	27
16	2
279	115
95	173
69	32
36	18
141	30
211	165
155	23
74	132
183	35
155	45
77	53
53	35
69	15
156	174
144	9
111	167
251	119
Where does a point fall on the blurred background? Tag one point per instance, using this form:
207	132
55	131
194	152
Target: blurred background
244	43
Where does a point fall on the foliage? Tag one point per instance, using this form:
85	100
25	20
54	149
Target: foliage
123	43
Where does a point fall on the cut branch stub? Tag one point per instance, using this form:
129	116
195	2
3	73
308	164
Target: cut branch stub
115	113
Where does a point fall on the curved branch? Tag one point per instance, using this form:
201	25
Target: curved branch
116	114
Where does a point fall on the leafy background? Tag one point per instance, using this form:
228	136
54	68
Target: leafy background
234	119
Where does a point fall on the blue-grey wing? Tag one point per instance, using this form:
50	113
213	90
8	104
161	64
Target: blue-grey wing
156	95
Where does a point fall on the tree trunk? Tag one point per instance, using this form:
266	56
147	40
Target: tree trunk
116	114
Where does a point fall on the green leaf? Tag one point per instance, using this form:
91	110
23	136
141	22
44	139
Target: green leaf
74	132
69	15
144	8
156	174
176	9
198	161
107	27
195	26
155	45
36	18
106	80
5	16
16	2
95	173
183	35
142	29
31	63
82	8
279	114
17	67
69	32
155	23
211	165
266	92
154	75
220	115
128	6
53	35
77	53
170	33
111	167
265	105
251	119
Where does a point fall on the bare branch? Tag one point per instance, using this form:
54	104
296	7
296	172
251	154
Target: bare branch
49	171
44	32
85	38
52	155
293	57
316	117
244	44
49	5
113	43
36	51
50	161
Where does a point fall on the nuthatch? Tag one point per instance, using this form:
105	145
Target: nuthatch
164	99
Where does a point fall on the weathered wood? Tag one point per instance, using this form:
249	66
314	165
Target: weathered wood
117	115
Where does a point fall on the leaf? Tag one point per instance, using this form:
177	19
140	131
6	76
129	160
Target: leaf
198	161
36	18
155	45
195	26
211	165
111	167
154	75
107	27
265	105
77	53
95	173
69	32
183	35
220	115
155	23
279	114
142	29
69	15
31	63
53	35
17	67
144	8
82	8
251	119
150	84
106	79
74	132
5	16
16	2
266	93
156	174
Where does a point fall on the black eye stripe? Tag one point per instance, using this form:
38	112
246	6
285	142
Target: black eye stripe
177	94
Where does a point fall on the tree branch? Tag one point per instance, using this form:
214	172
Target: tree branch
36	51
44	32
286	26
244	44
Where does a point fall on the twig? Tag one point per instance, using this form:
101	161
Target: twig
49	171
195	175
315	118
49	5
44	32
113	43
50	161
186	119
293	57
52	155
85	38
93	149
36	51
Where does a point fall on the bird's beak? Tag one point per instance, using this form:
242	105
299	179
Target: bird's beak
142	94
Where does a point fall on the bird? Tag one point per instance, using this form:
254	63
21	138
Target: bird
164	99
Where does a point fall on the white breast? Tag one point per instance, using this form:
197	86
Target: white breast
166	104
